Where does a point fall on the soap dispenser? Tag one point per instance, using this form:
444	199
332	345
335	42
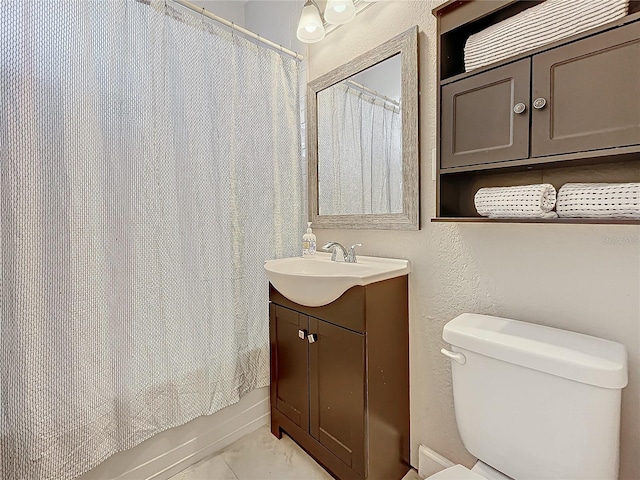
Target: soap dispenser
308	242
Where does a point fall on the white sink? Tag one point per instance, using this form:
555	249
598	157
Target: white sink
318	281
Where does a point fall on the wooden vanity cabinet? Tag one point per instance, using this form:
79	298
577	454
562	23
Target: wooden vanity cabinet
344	395
290	352
337	392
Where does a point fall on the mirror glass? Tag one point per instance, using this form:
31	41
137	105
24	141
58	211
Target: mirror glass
360	142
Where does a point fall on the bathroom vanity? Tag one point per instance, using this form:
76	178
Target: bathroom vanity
340	379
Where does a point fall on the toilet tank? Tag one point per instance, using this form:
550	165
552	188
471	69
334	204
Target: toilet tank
537	402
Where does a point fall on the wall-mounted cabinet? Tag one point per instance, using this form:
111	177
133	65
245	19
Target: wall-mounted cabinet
479	125
565	112
340	379
587	94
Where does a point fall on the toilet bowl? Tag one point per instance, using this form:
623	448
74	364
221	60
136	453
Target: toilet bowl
522	393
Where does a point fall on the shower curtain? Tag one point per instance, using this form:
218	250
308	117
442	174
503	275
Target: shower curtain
149	165
359	153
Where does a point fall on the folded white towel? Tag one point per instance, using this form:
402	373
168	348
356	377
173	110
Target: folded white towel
533	201
599	200
547	22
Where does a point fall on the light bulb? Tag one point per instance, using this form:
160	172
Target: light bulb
339	12
310	27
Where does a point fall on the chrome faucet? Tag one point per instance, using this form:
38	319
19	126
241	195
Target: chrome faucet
348	256
333	247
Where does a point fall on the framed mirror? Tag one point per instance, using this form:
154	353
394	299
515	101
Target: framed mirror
362	140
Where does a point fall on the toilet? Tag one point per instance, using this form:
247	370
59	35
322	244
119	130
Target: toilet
534	402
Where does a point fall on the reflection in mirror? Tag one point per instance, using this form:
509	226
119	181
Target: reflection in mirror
360	142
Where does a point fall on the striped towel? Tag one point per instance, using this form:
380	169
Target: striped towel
523	201
599	200
545	23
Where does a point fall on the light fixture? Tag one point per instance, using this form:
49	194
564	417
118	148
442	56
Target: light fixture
310	27
339	12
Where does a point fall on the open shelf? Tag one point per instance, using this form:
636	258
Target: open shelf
459	20
457	190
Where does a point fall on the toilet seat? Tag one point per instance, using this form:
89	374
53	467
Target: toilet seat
457	472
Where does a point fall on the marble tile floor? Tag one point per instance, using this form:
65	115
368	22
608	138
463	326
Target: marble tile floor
260	456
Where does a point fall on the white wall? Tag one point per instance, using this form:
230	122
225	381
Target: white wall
232	10
276	20
584	278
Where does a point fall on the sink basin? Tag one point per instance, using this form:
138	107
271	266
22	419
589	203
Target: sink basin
317	281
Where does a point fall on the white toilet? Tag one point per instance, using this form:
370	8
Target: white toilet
534	402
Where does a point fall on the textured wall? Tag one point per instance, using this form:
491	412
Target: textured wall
276	20
228	9
578	277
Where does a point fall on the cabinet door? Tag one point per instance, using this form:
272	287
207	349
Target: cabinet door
290	364
479	124
591	90
336	392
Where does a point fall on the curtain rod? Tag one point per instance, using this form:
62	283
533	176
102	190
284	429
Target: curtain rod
359	86
243	31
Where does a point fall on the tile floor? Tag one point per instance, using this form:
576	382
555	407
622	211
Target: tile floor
260	456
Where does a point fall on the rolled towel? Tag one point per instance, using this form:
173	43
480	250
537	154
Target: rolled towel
537	26
599	200
525	201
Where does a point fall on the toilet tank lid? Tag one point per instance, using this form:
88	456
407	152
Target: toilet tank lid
583	358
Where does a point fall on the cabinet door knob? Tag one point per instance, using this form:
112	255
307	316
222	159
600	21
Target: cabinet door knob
519	108
539	103
302	334
313	338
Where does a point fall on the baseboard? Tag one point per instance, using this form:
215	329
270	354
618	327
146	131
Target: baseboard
431	462
187	459
170	452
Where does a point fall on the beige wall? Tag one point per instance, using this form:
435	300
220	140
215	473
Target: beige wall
578	277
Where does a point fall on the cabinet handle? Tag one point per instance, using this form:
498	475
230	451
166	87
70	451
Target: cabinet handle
313	338
539	103
302	334
519	108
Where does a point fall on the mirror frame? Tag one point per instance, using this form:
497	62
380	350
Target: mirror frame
405	44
